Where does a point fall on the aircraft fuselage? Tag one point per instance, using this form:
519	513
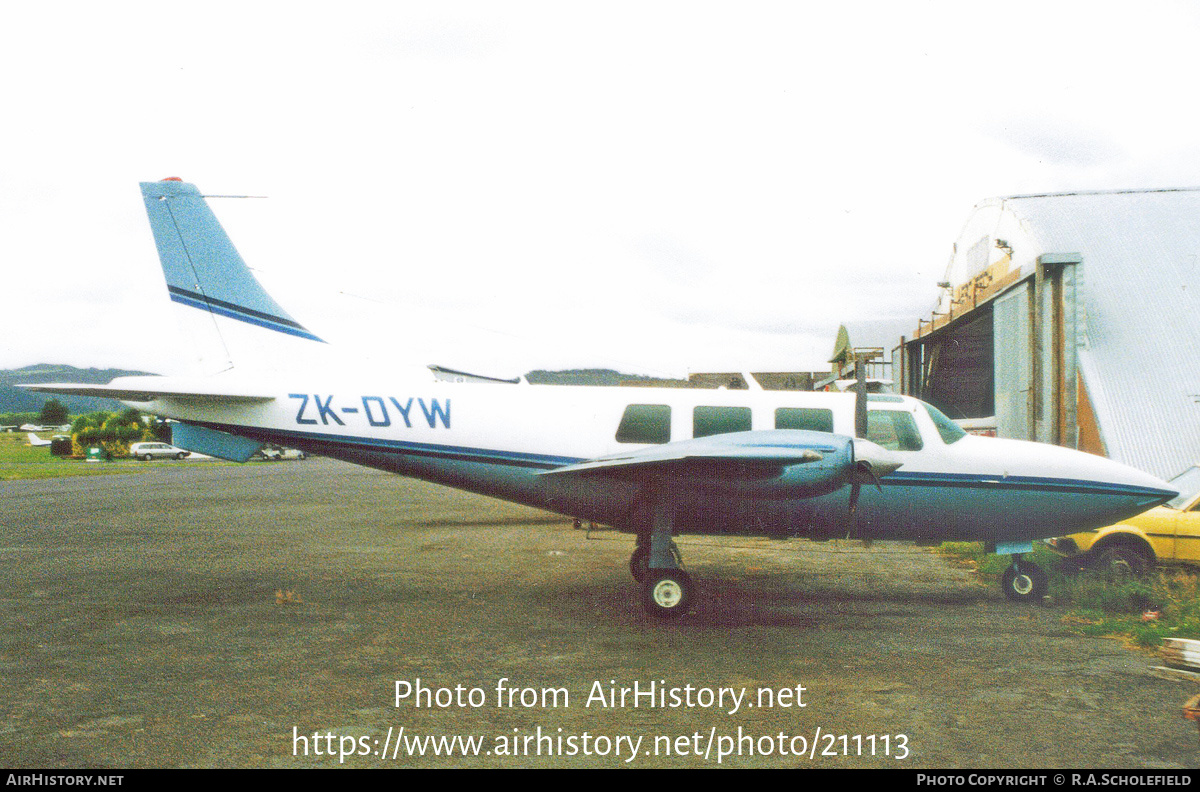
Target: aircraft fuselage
497	440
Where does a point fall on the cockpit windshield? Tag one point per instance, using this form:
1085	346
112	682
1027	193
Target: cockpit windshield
1188	484
950	431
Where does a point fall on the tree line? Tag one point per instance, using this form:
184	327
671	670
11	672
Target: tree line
53	413
112	431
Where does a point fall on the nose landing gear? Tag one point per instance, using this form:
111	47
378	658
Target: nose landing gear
1024	581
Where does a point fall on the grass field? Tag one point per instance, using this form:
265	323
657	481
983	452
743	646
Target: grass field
19	460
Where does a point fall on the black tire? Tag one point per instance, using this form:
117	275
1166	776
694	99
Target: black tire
639	563
1025	583
180	455
146	457
667	593
1124	560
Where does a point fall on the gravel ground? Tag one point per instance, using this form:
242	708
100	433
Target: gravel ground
262	615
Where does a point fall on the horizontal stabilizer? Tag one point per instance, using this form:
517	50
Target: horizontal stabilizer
454	375
145	389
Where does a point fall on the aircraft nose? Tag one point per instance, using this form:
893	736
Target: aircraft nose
879	460
1113	485
1147	490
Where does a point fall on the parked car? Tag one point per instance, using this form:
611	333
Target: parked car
1166	534
275	453
151	450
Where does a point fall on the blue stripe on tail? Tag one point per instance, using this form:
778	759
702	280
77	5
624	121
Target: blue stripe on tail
202	267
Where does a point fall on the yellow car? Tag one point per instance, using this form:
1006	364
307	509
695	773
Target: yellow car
1166	534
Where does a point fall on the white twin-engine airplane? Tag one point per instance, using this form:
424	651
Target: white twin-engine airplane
654	462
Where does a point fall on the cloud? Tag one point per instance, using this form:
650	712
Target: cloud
1057	143
626	180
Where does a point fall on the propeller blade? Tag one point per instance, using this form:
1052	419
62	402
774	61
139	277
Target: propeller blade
852	528
871	462
860	399
867	471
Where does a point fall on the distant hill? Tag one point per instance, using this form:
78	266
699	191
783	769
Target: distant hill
13	399
584	377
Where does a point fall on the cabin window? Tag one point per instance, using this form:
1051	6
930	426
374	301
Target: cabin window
804	418
719	420
894	430
645	423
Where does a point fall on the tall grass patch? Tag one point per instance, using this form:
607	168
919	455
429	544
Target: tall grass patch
1164	603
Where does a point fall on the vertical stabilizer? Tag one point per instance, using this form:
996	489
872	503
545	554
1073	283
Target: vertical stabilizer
204	272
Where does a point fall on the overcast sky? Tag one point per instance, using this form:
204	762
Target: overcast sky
657	187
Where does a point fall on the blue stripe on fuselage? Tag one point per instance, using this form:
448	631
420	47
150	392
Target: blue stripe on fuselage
399	447
902	478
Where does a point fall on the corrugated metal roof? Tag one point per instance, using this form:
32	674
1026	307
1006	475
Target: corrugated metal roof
1140	283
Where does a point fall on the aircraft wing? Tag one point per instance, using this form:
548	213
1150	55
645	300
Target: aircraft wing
735	455
145	389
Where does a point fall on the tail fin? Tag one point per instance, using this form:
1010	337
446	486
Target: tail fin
204	271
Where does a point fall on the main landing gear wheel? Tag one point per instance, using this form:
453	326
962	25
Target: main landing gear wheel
1024	581
667	593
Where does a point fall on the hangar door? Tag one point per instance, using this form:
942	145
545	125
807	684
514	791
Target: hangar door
1014	364
957	367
